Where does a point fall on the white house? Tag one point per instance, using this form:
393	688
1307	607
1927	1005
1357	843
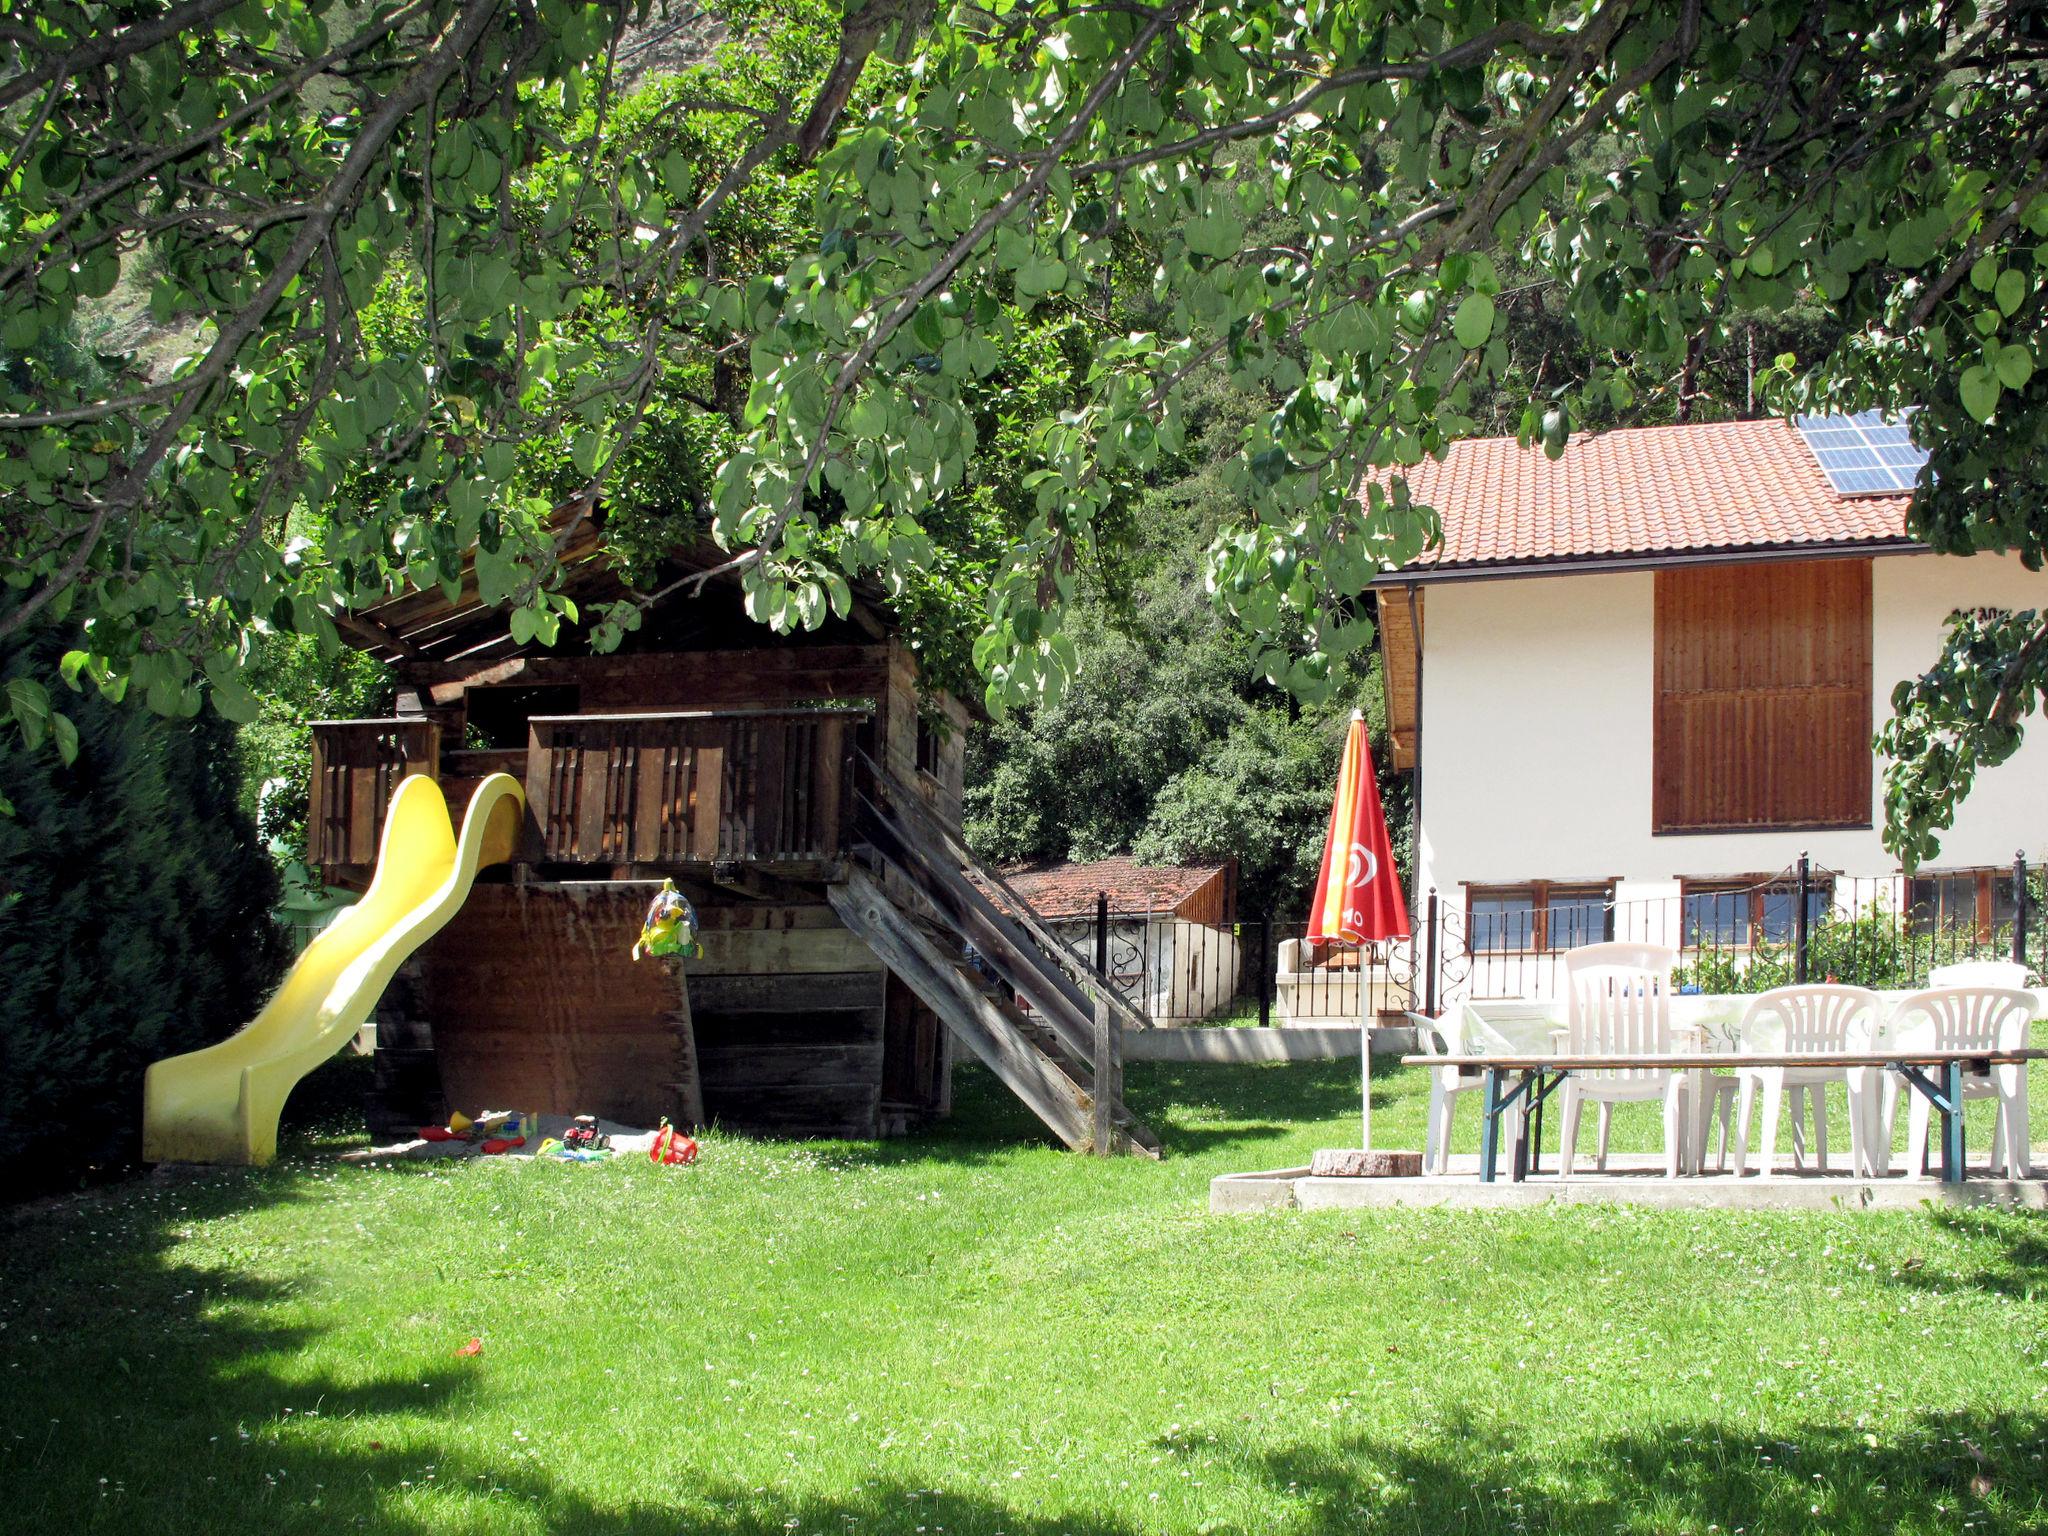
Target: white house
1638	682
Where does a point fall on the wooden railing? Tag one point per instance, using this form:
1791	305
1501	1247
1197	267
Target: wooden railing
357	765
699	787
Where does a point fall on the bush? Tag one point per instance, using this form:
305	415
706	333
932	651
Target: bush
135	920
1866	949
296	684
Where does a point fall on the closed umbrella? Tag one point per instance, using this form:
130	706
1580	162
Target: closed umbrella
1358	895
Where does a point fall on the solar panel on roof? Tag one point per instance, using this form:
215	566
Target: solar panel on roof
1863	455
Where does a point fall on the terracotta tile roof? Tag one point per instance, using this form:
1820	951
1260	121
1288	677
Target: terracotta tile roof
1058	891
1735	486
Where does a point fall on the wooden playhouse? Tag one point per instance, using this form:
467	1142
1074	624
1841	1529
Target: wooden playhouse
801	790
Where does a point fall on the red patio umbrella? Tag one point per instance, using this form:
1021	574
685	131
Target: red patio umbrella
1358	894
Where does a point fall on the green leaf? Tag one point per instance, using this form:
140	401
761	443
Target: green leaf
29	703
65	735
1216	235
525	623
2011	291
1473	322
2015	366
1269	465
234	702
1913	243
1980	389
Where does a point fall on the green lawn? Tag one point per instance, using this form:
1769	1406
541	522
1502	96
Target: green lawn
976	1333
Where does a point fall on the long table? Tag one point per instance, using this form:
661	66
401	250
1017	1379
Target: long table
1936	1074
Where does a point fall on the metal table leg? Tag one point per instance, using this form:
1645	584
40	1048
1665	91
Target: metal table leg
1489	1130
1530	1104
1947	1100
1952	1124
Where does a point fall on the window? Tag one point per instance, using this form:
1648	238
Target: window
1537	916
1971	902
1762	707
1734	914
497	715
928	744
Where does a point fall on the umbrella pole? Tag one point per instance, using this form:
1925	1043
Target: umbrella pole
1364	1060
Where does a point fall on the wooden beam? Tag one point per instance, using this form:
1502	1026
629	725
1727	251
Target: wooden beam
372	633
1052	1095
1109	1076
1019	912
1053	995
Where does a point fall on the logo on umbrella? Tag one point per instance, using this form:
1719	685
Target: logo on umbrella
1363	866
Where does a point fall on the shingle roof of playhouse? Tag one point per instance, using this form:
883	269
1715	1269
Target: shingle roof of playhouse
1069	890
1646	491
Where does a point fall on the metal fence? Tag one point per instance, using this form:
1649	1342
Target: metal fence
1805	923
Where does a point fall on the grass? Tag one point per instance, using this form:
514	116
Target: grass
974	1333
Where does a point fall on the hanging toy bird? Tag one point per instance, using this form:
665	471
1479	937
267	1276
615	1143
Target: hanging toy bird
670	927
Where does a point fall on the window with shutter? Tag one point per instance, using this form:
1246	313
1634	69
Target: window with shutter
1763	696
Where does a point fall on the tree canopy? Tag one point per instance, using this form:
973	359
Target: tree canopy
1343	204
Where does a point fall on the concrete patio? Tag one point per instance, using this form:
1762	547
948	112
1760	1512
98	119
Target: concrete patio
1631	1179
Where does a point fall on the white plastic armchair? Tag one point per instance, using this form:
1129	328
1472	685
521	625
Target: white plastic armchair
1618	1002
1980	973
1817	1021
1964	1019
1462	1031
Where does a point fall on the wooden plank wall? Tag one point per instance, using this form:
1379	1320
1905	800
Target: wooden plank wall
1763	700
1398	629
740	679
357	766
536	1003
789	1014
1213	901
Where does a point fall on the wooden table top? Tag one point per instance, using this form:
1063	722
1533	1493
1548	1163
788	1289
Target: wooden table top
1689	1061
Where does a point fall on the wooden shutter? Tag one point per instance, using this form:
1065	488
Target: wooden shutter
1763	696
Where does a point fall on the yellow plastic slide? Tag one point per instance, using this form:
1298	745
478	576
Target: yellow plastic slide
220	1104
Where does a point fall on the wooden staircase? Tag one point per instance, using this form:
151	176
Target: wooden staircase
920	910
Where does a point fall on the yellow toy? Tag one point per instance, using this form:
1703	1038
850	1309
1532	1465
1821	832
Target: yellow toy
670	927
220	1104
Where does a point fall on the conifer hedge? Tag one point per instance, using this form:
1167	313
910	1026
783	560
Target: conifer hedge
135	919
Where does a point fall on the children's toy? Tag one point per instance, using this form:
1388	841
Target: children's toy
493	1131
584	1136
670	927
672	1146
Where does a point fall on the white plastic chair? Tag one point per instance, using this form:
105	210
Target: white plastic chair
1462	1032
1969	1018
1618	1002
1819	1021
1980	973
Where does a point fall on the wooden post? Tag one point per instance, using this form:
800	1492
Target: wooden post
1431	934
1109	1074
1266	971
1799	922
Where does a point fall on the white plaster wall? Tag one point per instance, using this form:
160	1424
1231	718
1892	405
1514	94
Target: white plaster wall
1536	735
